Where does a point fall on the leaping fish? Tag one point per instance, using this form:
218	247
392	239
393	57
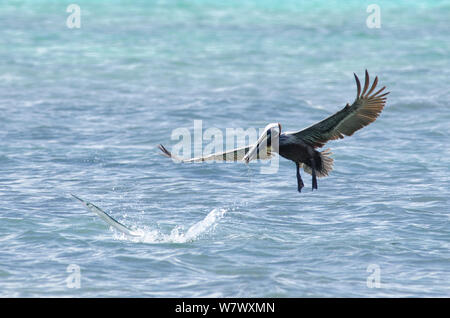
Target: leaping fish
106	217
300	146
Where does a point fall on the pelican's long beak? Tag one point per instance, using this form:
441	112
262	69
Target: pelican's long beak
261	143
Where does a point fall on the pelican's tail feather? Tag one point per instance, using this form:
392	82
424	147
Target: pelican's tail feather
325	166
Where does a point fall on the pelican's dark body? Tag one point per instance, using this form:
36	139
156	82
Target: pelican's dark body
295	149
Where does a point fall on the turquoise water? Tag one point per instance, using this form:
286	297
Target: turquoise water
83	110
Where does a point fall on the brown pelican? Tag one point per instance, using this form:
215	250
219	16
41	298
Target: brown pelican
300	146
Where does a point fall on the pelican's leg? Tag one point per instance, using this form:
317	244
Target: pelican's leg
300	184
314	178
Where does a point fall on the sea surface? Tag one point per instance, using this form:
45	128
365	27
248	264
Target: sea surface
82	111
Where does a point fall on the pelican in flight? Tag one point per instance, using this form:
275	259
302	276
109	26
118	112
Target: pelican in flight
300	146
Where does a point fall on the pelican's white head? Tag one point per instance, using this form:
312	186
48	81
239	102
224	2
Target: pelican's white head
266	143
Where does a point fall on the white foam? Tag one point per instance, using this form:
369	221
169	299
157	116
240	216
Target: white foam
176	235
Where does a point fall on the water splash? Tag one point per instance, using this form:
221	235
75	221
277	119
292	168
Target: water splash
176	235
155	236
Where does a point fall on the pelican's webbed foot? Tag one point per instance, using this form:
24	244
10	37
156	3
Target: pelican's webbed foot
314	177
300	184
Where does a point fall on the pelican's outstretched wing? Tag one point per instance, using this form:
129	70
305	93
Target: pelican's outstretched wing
232	155
364	110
